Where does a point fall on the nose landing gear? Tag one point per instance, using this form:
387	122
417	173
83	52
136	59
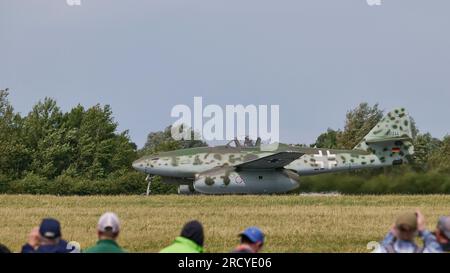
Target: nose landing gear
149	180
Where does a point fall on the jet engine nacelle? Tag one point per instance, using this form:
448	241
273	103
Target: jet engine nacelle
229	181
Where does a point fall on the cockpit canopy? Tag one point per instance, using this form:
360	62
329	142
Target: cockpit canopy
248	143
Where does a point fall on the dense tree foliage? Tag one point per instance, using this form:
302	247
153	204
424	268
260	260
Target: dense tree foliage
162	141
48	151
15	155
74	152
328	140
425	147
49	143
358	124
440	157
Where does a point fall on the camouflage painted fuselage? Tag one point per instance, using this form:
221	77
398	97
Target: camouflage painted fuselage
217	170
210	169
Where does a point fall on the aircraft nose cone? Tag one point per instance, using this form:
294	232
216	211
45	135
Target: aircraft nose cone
138	165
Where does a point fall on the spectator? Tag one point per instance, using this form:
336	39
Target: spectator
190	240
401	237
252	241
108	229
439	240
46	239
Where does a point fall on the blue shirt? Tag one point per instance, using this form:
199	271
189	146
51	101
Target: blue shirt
390	244
61	247
431	245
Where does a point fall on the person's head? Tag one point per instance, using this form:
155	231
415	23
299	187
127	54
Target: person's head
252	237
108	226
443	231
193	231
406	226
49	231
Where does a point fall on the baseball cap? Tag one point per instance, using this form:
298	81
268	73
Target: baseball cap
50	228
444	226
254	234
108	222
408	219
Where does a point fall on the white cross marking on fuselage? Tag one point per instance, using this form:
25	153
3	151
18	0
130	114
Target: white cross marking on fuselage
330	159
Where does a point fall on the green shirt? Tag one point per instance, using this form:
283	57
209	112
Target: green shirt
105	246
183	245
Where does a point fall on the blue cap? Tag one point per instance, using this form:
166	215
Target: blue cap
254	234
50	228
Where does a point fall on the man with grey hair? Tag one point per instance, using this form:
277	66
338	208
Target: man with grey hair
439	240
108	229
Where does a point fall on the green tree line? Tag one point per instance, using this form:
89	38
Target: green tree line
49	143
81	152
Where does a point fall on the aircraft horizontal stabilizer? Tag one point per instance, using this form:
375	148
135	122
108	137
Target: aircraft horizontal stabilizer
380	140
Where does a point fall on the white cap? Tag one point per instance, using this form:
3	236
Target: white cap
108	221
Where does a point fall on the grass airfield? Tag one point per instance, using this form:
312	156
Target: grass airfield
292	223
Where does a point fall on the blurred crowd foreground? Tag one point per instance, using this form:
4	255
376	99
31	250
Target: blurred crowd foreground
407	235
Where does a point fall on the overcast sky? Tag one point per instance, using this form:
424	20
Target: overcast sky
315	58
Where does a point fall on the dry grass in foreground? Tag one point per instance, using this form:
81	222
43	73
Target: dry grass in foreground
293	223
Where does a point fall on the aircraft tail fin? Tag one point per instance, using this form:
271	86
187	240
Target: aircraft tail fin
391	138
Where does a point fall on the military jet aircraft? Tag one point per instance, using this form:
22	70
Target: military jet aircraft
249	169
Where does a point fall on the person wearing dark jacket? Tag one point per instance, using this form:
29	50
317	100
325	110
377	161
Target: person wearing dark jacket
190	240
46	239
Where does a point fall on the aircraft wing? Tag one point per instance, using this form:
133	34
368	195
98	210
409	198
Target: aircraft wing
273	161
